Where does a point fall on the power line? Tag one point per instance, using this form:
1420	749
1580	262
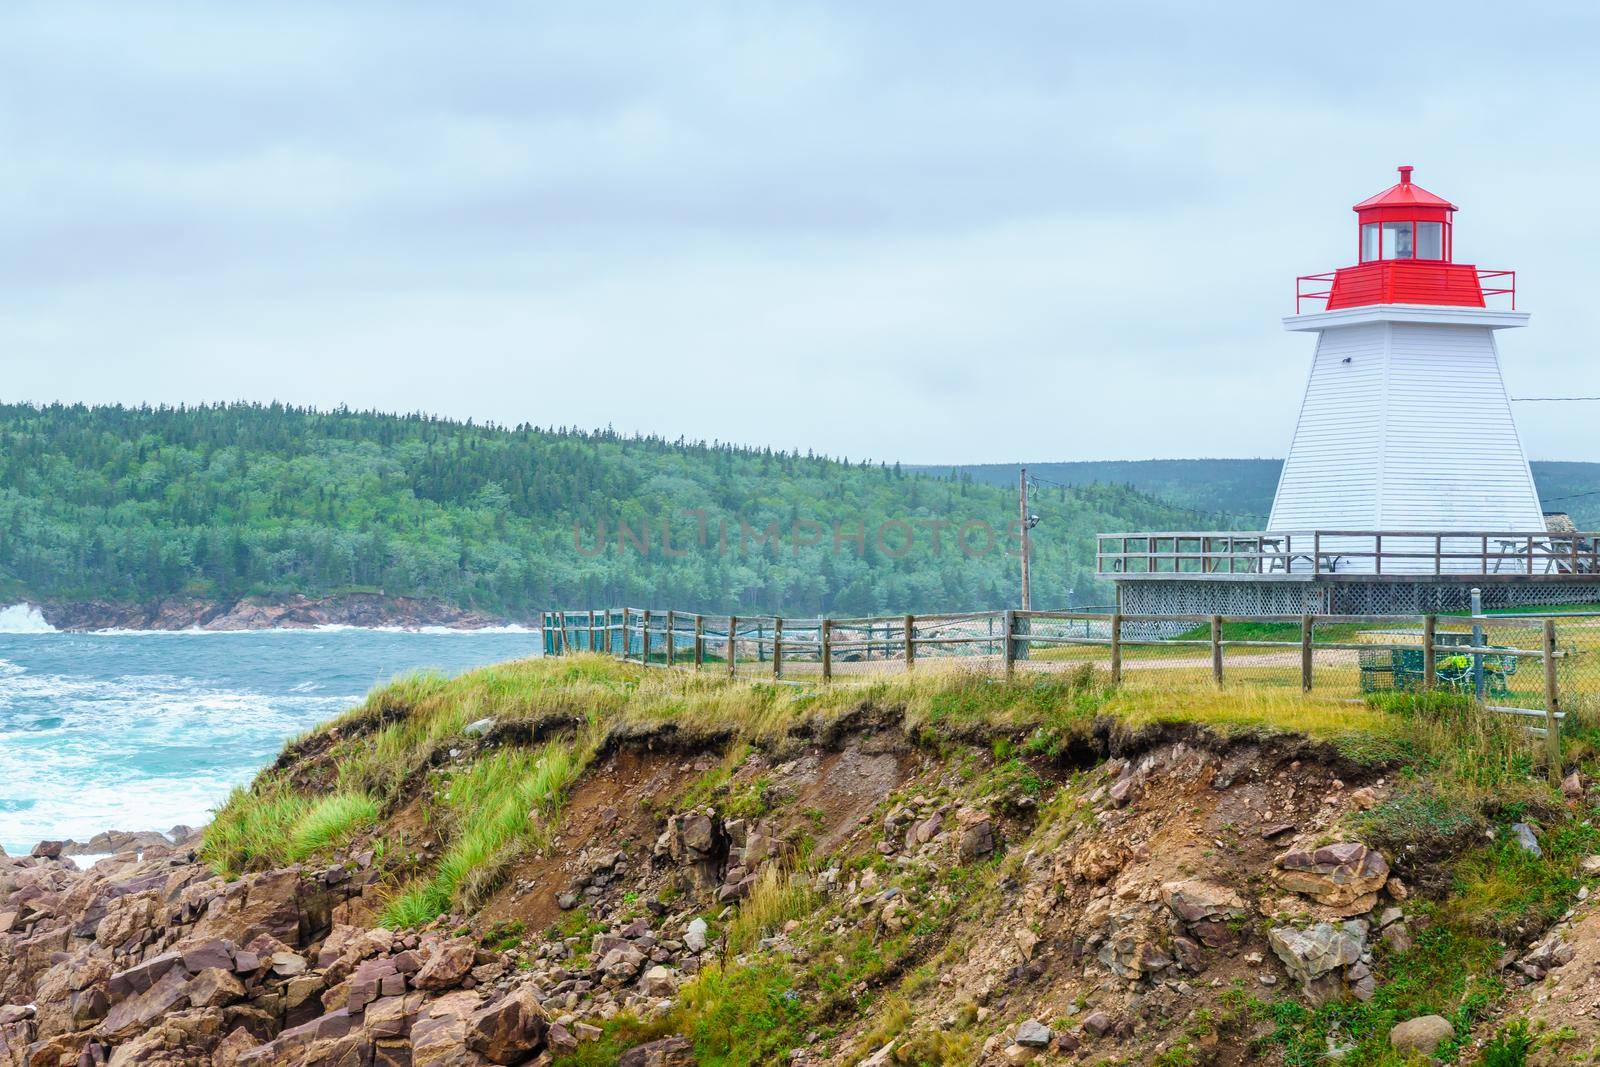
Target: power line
1549	399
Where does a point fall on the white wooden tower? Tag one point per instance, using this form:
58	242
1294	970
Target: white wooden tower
1406	424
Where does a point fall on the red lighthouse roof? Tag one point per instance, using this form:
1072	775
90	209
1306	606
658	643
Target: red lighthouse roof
1405	195
1405	244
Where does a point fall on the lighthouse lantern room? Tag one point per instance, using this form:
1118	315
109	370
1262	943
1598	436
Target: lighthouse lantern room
1405	481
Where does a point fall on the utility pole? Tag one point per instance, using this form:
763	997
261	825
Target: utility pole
1027	524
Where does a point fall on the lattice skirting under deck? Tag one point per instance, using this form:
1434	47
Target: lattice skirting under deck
1339	598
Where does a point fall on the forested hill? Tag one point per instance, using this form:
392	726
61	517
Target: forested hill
223	502
1243	488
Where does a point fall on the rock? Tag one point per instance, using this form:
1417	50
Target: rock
1018	1054
1195	900
208	954
1277	830
509	1030
1033	1034
48	850
659	981
977	839
672	1051
566	901
621	964
698	833
1398	937
1027	941
439	1036
694	938
1421	1035
478	727
447	966
1590	864
287	964
560	1039
1318	950
1346	875
880	1058
214	987
1572	785
1098	1024
1526	839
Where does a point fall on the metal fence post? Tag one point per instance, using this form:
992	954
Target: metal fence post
1011	644
911	646
1552	701
733	644
1430	658
699	641
777	646
825	637
1116	648
1306	625
1216	649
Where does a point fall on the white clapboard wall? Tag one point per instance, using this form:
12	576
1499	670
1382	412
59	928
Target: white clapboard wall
1406	426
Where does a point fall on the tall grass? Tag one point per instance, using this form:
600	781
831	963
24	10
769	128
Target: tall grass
497	806
273	825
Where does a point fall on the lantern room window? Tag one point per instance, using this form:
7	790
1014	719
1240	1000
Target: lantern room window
1397	242
1430	240
1369	242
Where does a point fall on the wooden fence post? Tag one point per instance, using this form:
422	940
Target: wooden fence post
594	635
1552	702
1216	649
699	641
1306	625
733	643
1430	638
1011	646
911	641
777	646
825	636
672	637
1116	648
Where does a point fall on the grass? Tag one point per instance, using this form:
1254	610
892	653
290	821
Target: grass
277	826
496	806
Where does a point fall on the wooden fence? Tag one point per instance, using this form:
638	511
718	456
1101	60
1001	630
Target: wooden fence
1524	666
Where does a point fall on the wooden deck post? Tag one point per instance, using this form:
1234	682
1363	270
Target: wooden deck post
1011	645
1552	702
1216	649
699	641
1430	657
1306	628
911	641
825	637
733	644
672	637
1116	646
777	646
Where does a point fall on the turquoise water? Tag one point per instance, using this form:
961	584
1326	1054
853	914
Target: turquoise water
140	731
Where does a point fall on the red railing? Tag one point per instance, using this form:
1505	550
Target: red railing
1507	286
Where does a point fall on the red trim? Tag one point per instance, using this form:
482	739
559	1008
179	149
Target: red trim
1405	281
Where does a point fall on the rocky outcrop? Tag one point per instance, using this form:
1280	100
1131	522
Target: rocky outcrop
1345	876
263	613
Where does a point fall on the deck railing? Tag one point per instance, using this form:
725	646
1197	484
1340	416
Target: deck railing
1308	554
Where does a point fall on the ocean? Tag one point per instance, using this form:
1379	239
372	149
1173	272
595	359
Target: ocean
146	730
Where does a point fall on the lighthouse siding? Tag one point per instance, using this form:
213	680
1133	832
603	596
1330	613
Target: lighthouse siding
1415	432
1330	478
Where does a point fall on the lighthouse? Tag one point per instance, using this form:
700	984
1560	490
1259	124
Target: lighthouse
1405	487
1406	423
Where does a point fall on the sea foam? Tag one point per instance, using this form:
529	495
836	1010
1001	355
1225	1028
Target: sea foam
23	619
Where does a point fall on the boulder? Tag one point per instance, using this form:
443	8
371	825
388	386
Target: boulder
439	1036
447	966
1098	1024
213	988
1421	1035
694	938
1318	950
621	964
1345	876
1033	1034
509	1030
659	981
672	1051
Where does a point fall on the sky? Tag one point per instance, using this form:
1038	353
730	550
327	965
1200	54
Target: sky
930	232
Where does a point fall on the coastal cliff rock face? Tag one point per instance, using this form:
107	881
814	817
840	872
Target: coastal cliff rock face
262	613
1168	875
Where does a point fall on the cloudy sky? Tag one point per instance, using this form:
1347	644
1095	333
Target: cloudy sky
929	232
